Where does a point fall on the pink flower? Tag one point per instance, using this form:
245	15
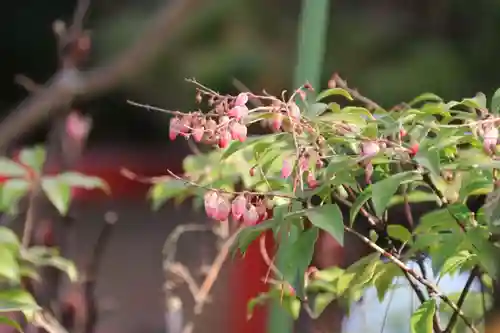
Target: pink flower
303	163
77	126
238	206
198	133
239	132
241	99
286	169
210	202
490	139
311	180
224	139
238	112
369	148
223	209
277	121
174	130
251	216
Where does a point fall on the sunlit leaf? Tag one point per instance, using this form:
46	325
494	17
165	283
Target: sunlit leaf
58	192
33	157
9	168
495	102
382	191
329	218
399	232
421	319
332	92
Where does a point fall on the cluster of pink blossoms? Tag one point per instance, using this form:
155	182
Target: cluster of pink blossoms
226	126
304	166
243	208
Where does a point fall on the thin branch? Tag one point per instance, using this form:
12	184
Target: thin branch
355	94
453	320
68	85
414	275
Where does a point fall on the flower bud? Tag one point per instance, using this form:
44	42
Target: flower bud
311	180
223	209
250	216
174	128
303	163
286	169
238	132
238	206
241	99
238	112
277	121
198	133
224	139
77	126
369	148
210	202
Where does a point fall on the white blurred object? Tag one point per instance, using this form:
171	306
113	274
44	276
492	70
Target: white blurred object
394	313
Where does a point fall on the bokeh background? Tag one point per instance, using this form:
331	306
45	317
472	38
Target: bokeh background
391	50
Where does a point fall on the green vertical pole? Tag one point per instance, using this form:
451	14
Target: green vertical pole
311	43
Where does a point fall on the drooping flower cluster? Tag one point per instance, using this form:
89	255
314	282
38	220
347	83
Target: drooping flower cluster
226	125
244	208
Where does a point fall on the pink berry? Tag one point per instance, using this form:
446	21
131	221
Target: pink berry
241	99
286	169
238	206
251	216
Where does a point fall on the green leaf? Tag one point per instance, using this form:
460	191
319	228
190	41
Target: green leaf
292	306
316	109
58	192
9	238
477	102
299	257
334	91
487	254
18	300
429	159
63	264
455	262
164	190
76	179
9	168
247	235
329	218
361	199
425	97
11	192
12	323
9	267
320	302
421	320
384	280
383	190
33	157
399	232
495	102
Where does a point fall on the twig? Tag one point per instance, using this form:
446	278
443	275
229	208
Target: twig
473	274
355	94
207	284
414	275
45	320
66	86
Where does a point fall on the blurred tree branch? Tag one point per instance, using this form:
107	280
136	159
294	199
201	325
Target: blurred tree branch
69	84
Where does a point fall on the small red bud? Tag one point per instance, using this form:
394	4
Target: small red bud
332	84
402	133
311	180
252	171
238	132
198	133
414	149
